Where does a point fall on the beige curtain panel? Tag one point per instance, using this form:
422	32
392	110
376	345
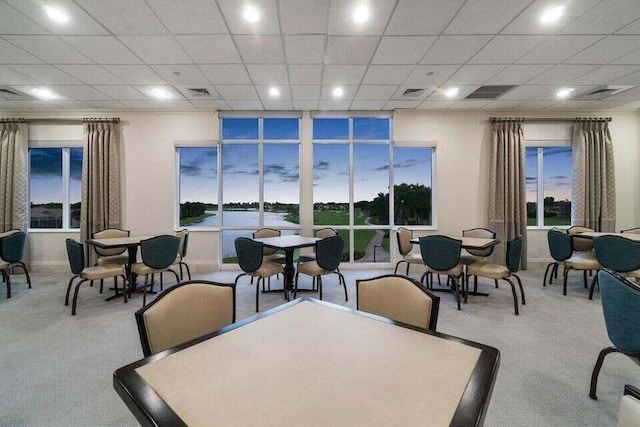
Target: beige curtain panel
100	180
14	182
594	187
507	196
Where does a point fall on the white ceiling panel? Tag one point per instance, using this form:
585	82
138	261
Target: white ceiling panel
261	50
605	74
435	105
277	104
334	104
430	75
628	95
375	92
558	48
396	104
181	74
419	17
525	93
156	49
343	74
501	105
506	49
121	93
50	49
350	50
562	74
91	74
189	16
349	91
399	93
305	92
146	104
387	74
237	92
534	105
13	77
135	74
225	74
10	105
440	93
245	105
631	59
106	105
630	79
485	16
367	105
305	105
472	74
268	74
605	105
184	90
181	104
306	49
148	92
210	49
124	16
528	22
606	50
45	74
263	93
341	17
79	21
454	49
103	49
628	106
551	93
210	104
607	17
470	104
71	105
305	74
80	93
568	105
304	16
633	28
267	24
14	22
517	74
402	49
10	54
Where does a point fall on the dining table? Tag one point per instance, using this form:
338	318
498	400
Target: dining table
359	370
594	234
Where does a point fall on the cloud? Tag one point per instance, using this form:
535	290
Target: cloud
531	180
558	177
46	162
321	165
282	172
409	163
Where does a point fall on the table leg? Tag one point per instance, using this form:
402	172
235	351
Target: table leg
289	272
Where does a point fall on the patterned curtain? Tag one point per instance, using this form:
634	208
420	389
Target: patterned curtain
594	186
14	182
507	196
100	180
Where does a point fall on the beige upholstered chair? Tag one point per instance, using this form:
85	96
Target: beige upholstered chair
629	415
328	257
269	253
399	298
184	312
580	244
475	255
404	236
250	254
158	254
322	233
113	255
183	235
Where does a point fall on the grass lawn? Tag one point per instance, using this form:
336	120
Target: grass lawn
550	221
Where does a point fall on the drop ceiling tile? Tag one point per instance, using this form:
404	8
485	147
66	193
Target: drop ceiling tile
304	16
607	17
439	93
91	74
334	105
210	104
263	93
260	50
474	74
632	58
506	49
343	74
387	74
277	104
121	93
10	105
419	17
14	22
605	105
341	17
80	93
305	92
245	105
534	105
558	48
628	95
306	49
606	50
181	104
305	74
148	92
305	105
350	50
135	74
124	16
501	105
142	105
528	22
210	49
12	77
188	74
44	74
525	93
397	104
426	91
349	91
49	48
430	75
562	74
375	92
184	90
103	49
454	49
435	105
568	105
470	104
551	95
402	49
268	74
367	105
79	21
10	54
189	17
485	16
106	105
605	74
71	105
268	23
633	28
225	74
156	49
237	92
630	79
517	74
628	106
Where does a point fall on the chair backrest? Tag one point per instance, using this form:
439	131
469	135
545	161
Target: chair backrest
329	252
559	245
617	253
183	235
635	230
404	236
12	246
184	312
514	254
629	414
159	252
326	232
249	254
399	298
580	244
440	252
482	233
75	253
267	232
621	307
110	233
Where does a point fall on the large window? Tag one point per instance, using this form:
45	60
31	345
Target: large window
55	187
548	180
412	185
198	187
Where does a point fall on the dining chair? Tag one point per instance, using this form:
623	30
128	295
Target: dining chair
75	253
560	248
635	230
580	244
629	413
399	298
12	245
404	236
621	309
184	312
321	233
252	263
502	272
328	257
441	255
183	235
158	255
475	255
270	254
111	255
619	254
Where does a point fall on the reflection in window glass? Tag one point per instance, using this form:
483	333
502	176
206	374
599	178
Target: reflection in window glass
412	188
371	245
371	184
328	129
75	186
331	184
228	244
367	128
556	165
281	129
531	170
199	187
239	129
281	185
45	187
240	185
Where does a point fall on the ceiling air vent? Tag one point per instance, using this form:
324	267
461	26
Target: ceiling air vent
413	93
602	92
489	92
10	94
199	92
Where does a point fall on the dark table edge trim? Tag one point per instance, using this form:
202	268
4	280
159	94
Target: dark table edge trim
100	245
154	411
496	242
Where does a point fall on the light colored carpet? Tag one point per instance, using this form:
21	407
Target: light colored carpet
56	370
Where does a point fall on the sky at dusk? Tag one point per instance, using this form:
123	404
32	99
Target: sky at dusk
557	172
45	168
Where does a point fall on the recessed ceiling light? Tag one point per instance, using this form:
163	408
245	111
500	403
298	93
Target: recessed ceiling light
360	14
338	92
564	92
56	14
451	92
551	15
274	91
160	93
251	14
43	93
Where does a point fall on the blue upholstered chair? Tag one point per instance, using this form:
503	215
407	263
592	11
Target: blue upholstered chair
252	262
328	257
621	308
441	255
619	254
12	245
158	255
560	248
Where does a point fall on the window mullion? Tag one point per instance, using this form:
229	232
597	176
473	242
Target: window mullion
261	171
351	189
540	188
66	223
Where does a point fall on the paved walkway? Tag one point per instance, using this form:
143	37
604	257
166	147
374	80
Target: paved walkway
381	253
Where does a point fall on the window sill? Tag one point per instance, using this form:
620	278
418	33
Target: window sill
548	227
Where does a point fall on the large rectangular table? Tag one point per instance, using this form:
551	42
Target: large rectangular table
313	363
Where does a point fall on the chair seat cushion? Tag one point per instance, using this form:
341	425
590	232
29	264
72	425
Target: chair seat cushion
275	258
142	269
468	259
4	265
307	257
486	269
267	269
102	271
311	268
114	259
635	273
455	271
583	261
413	258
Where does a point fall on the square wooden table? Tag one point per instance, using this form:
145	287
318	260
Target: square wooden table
313	363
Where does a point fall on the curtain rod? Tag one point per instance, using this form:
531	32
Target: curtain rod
548	119
62	121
